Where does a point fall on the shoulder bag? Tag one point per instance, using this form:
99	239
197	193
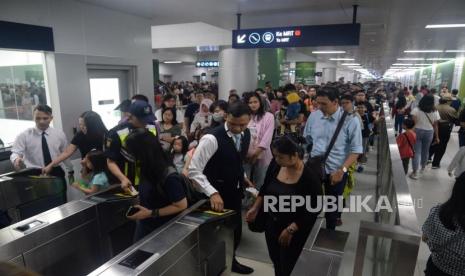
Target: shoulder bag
316	164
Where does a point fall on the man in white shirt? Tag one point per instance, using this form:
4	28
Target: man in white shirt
36	147
216	167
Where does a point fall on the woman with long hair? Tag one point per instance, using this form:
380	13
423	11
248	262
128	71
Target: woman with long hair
287	232
90	136
426	119
169	127
161	195
444	232
261	126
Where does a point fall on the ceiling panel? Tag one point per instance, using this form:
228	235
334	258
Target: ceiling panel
388	26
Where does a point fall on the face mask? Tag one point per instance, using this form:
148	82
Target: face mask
218	117
372	101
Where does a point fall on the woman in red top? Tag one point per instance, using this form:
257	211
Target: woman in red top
406	142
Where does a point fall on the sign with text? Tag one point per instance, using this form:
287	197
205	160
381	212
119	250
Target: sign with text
305	72
297	36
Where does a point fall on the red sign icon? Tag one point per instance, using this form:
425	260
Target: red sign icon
297	33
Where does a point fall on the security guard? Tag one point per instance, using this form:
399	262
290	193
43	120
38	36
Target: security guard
120	163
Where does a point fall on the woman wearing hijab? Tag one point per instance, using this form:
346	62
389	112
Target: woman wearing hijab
203	118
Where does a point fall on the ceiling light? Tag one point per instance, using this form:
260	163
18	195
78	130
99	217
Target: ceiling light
402	64
455	51
172	61
424	64
423	51
439	59
354	66
341	59
328	52
437	26
351	64
410	59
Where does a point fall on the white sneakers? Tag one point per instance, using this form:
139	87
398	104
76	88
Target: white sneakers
414	175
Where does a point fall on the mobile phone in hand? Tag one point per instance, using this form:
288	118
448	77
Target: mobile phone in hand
131	211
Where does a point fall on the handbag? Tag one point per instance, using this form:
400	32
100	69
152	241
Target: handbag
317	164
258	225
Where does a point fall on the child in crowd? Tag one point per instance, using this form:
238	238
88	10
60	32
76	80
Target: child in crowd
293	109
95	163
457	165
178	150
406	143
367	120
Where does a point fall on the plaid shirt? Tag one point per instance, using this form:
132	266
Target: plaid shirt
447	246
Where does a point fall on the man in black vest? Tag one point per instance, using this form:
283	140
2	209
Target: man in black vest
217	167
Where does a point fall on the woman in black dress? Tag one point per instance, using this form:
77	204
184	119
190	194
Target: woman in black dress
286	232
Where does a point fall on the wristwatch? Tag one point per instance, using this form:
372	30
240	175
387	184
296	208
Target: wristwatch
155	213
344	169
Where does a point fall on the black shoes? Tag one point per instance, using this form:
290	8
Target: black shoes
241	269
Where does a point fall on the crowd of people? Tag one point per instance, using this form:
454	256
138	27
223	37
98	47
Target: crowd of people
293	140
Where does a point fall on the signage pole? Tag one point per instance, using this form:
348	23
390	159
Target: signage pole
238	20
354	15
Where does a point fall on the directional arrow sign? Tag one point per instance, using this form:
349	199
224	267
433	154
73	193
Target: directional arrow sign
241	39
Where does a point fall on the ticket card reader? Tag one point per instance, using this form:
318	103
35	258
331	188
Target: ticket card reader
196	242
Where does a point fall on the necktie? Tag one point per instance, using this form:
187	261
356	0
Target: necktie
45	151
237	141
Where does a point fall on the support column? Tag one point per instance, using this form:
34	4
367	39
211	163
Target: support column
270	62
329	74
238	70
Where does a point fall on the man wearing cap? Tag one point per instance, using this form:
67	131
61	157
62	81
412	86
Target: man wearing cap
120	163
123	107
448	117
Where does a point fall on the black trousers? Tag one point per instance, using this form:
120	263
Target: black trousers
233	201
438	150
284	258
405	162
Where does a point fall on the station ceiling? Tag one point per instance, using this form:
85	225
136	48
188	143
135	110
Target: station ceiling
388	26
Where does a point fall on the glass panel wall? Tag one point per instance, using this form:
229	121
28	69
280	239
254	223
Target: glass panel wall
22	86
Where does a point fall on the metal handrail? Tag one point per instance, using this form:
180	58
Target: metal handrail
404	232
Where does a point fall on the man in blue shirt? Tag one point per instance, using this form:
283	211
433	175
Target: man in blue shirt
319	130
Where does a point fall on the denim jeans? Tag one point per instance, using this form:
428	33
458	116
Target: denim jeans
423	142
398	121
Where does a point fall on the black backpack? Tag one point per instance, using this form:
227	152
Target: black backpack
192	195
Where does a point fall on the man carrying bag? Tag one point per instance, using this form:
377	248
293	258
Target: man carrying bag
337	142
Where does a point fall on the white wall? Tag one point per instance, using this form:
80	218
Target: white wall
85	34
183	72
189	35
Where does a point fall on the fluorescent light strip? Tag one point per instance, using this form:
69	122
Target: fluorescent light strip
439	58
402	64
172	61
342	59
411	59
455	51
351	64
328	52
424	64
438	26
423	51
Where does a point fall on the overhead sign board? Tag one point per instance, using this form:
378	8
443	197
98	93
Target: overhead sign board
207	63
297	36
